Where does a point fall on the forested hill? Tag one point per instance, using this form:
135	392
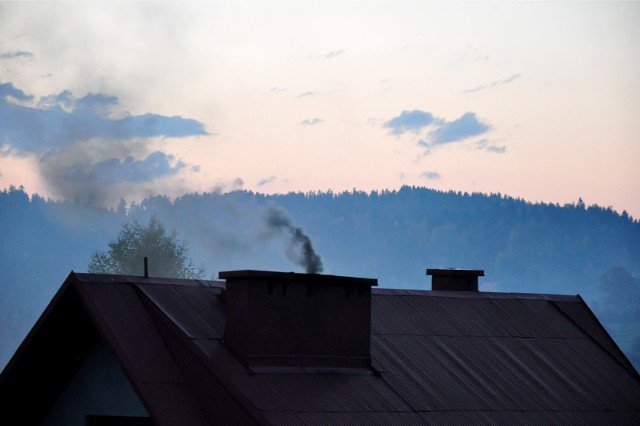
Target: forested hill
390	235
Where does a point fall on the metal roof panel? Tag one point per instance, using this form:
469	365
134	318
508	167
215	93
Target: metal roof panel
193	309
130	331
585	320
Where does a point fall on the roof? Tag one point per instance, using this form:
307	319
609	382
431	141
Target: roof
436	357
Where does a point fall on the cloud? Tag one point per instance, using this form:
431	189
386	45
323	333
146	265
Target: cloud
8	91
424	144
489	146
454	131
334	54
266	181
493	84
16	54
114	170
276	89
101	172
441	131
496	149
430	175
238	183
61	119
63	100
84	151
409	121
305	94
312	122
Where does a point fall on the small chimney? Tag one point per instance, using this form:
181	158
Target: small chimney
277	319
455	279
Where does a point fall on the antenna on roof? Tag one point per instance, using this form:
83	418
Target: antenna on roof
146	267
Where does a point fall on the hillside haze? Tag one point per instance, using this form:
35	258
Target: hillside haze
390	235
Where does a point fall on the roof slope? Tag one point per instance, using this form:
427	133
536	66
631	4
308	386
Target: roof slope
501	358
448	357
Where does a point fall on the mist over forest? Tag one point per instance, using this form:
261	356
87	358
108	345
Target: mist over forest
389	235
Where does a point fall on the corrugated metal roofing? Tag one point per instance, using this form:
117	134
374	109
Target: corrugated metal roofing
120	315
582	317
122	318
437	358
196	310
493	354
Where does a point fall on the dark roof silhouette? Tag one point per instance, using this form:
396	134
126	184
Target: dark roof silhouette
456	357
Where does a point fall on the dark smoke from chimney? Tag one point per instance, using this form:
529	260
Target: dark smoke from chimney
278	220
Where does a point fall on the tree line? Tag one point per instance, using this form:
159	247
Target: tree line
392	235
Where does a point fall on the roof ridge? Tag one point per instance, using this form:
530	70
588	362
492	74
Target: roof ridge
626	365
158	315
475	294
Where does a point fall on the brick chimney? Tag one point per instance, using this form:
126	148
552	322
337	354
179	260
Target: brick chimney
277	319
455	279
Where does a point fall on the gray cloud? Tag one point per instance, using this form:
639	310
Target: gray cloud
113	170
430	175
424	144
334	54
61	119
16	54
305	94
266	181
99	172
454	131
493	84
312	122
407	121
489	146
442	131
8	91
85	153
496	149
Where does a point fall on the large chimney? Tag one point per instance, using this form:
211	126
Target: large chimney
277	320
455	279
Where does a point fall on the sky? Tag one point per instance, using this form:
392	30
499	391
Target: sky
107	100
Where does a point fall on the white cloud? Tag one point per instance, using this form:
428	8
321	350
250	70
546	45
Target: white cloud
494	84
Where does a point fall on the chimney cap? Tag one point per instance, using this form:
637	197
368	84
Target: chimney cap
249	274
455	272
455	279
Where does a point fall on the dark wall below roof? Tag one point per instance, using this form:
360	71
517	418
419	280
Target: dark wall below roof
53	351
100	387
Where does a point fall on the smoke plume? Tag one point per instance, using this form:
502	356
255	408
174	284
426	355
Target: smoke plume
88	148
299	250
